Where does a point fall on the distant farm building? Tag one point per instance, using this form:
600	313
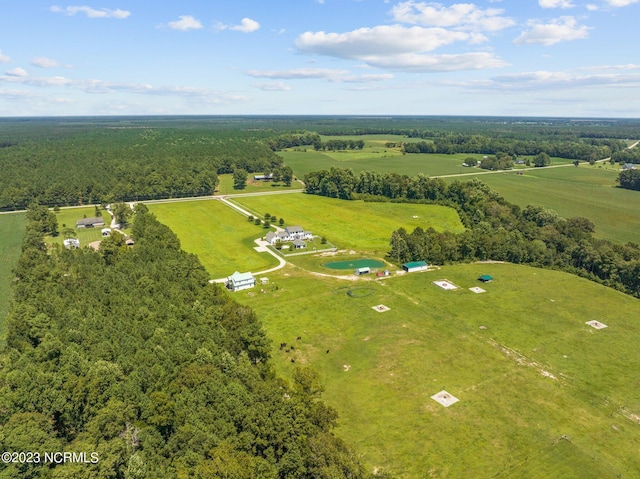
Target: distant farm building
364	270
299	244
485	278
383	273
629	166
106	231
414	266
268	177
239	281
89	222
71	243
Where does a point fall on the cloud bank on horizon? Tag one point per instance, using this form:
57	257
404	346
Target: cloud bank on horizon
536	58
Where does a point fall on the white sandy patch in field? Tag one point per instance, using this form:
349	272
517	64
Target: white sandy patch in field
477	290
596	324
381	308
444	398
445	284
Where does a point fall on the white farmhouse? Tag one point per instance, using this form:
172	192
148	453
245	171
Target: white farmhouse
239	281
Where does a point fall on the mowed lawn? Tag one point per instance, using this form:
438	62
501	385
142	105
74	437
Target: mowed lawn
586	191
541	393
353	224
12	227
67	218
225	185
221	237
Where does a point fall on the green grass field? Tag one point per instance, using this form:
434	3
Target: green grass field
225	186
527	369
11	232
221	237
584	191
353	224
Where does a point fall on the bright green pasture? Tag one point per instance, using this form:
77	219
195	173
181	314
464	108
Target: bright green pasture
527	369
69	216
376	159
583	191
221	237
11	232
353	224
225	187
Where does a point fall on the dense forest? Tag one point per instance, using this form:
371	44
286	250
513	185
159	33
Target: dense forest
89	164
496	230
130	356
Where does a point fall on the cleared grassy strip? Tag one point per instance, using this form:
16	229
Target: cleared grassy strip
376	159
225	187
584	191
353	224
217	234
380	369
12	228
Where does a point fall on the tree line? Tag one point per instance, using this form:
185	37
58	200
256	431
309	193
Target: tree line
495	229
130	353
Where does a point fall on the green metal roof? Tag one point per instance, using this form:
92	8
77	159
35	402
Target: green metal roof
415	264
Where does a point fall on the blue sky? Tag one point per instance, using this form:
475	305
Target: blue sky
568	58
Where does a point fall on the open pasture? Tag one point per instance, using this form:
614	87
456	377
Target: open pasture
541	394
353	224
225	185
11	232
221	237
584	191
376	159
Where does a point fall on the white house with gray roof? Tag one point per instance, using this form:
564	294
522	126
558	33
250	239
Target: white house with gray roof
290	233
239	281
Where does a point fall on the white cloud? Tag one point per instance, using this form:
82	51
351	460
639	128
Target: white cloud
399	48
17	72
272	86
300	74
185	22
411	62
461	16
591	7
43	62
247	25
556	4
91	12
379	41
545	80
4	58
621	3
559	30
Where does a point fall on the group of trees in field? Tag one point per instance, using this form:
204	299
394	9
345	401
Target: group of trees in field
631	155
630	179
495	229
101	165
130	353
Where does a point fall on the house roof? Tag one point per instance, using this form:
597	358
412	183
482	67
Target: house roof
415	264
294	229
237	277
298	242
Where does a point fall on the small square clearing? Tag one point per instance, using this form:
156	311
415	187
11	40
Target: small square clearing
445	284
596	324
444	398
381	308
477	290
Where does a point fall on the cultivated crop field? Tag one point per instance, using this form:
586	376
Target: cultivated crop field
353	224
221	237
542	394
584	191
